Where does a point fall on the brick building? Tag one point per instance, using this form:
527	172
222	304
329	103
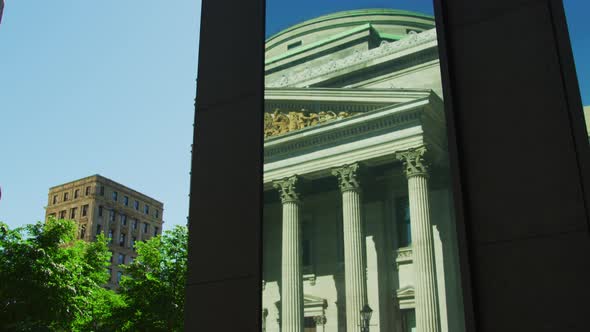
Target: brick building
99	204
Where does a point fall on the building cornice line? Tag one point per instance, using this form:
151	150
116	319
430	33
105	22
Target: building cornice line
385	119
385	49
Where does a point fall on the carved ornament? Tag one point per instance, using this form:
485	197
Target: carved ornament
280	122
347	177
288	189
320	320
413	160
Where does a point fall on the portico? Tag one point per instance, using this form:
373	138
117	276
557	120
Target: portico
352	149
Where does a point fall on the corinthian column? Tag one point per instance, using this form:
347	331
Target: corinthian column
291	278
354	255
425	290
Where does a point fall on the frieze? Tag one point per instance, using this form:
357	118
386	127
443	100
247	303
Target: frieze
358	57
280	122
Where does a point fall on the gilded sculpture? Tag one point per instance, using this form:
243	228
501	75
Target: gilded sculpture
278	122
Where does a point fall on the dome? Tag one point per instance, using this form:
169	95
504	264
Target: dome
374	25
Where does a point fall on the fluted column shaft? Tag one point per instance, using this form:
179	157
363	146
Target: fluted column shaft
425	290
354	254
291	274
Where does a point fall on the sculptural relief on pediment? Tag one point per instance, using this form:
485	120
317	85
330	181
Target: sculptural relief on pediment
280	122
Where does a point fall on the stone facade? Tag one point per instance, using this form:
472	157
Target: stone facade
339	193
101	205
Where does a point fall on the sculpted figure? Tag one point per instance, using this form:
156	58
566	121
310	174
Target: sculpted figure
312	119
281	122
327	116
268	125
293	121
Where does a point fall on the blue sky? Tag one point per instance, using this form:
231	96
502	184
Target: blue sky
107	87
576	12
90	87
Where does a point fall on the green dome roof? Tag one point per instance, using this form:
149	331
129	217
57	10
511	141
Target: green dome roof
352	14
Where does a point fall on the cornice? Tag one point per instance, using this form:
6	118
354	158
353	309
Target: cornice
348	129
358	58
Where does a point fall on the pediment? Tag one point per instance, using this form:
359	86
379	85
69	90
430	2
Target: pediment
314	301
293	109
406	292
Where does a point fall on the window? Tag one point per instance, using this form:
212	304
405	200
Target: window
123	220
146	209
110	236
404	231
309	324
62	214
101	190
66	196
115	195
84	210
121	259
119	275
54	199
132	244
73	212
122	240
408	320
136	205
76	193
98	229
52	215
126	200
157	213
87	191
134	224
112	256
145	227
155	231
111	215
100	211
82	232
293	45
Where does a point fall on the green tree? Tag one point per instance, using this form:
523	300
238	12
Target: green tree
154	283
49	281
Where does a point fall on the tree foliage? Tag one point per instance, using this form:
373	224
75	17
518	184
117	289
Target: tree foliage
153	285
50	280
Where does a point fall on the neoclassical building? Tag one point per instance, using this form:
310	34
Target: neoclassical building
357	202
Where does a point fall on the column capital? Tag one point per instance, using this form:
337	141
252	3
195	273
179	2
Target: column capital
413	160
320	320
348	177
287	188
